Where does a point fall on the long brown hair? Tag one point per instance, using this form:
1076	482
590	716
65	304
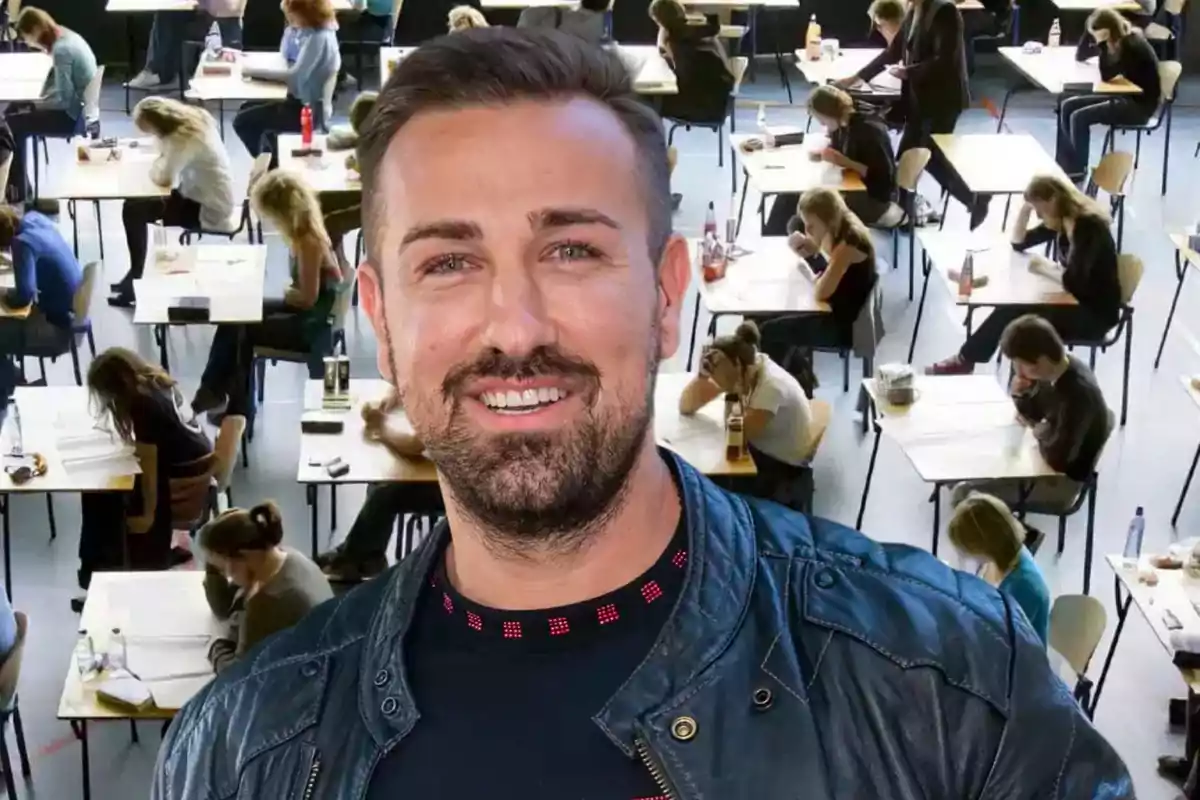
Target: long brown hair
170	119
310	13
116	377
984	527
1111	21
34	23
291	205
844	225
1067	201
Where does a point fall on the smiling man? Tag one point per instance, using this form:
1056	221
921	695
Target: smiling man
596	620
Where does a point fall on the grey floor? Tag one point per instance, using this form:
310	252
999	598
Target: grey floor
1144	465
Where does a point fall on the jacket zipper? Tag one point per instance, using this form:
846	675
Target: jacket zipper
310	785
656	772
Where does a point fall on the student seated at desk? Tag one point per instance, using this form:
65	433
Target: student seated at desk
463	18
702	70
1058	398
1088	255
309	80
777	413
841	250
991	544
294	322
587	22
363	554
858	142
59	113
193	161
171	28
253	581
46	276
143	407
1123	51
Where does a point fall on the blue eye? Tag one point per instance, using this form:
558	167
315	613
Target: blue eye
574	251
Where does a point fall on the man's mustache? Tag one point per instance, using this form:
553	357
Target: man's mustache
543	360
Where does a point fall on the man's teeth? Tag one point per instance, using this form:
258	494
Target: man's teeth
527	399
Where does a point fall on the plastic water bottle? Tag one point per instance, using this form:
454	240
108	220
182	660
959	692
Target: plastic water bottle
1055	37
306	126
85	655
1133	539
966	277
710	222
115	657
812	39
767	138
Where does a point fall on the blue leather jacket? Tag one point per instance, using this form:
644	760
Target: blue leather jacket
802	660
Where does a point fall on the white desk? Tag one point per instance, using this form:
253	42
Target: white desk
848	62
997	163
1194	394
209	83
1091	5
103	179
1055	66
324	173
1186	258
651	73
25	76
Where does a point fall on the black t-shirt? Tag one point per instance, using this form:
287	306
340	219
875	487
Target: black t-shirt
507	698
865	140
162	418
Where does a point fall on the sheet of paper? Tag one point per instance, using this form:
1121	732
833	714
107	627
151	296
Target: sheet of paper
155	659
156	605
174	694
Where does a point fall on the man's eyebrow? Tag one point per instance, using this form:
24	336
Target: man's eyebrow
547	218
453	229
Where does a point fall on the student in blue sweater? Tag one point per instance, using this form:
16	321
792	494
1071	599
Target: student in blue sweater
988	536
45	275
60	112
310	79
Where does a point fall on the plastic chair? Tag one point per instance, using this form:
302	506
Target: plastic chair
1168	75
739	66
818	424
5	170
81	306
1129	272
261	164
1111	175
10	672
1077	622
908	174
1167	36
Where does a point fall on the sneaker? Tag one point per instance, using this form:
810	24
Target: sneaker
346	570
145	80
955	365
122	299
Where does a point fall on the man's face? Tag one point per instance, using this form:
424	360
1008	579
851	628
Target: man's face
521	315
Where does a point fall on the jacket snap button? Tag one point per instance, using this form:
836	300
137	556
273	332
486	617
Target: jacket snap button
389	706
683	729
763	698
310	669
382	677
825	579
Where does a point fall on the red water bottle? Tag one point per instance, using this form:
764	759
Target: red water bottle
306	126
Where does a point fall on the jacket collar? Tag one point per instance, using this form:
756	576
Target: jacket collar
720	577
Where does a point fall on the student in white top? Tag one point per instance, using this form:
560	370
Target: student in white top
777	413
194	162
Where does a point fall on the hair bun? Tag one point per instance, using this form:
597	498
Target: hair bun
747	332
267	519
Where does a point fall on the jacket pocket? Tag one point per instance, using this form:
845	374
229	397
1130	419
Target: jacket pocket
292	771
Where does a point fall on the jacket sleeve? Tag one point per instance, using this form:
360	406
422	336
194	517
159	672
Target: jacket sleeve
1091	246
1039	234
1048	748
24	276
892	54
1086	48
946	28
185	760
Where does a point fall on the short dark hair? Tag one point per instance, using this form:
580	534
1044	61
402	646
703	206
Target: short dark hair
10	223
887	10
501	65
1030	338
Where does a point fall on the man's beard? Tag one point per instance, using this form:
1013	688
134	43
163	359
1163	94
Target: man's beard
539	489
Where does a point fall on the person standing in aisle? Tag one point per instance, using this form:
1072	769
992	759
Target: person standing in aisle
171	28
928	57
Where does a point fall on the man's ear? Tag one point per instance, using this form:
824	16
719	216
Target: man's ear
370	295
674	274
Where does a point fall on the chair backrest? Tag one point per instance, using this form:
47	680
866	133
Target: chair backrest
1174	7
81	304
1077	622
1168	77
1112	172
5	168
911	165
14	8
91	95
189	494
1129	273
341	305
672	159
739	66
225	449
10	671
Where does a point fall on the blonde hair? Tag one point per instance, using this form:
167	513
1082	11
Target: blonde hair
170	119
463	18
1068	202
288	201
887	10
984	527
1111	20
741	348
830	101
828	206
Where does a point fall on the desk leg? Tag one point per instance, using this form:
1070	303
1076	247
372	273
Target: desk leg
1182	494
160	338
783	77
695	325
925	268
1089	540
4	509
333	506
937	516
752	19
970	319
1122	613
71	212
130	45
221	112
742	204
1181	273
82	733
862	503
311	496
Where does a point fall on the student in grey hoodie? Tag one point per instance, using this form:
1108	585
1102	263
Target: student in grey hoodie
587	22
309	79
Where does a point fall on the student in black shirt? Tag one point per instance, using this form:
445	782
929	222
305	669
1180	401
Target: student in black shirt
1123	51
1087	269
842	257
702	70
857	142
145	409
1058	398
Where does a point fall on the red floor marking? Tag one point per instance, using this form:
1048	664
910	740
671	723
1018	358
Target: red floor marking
49	749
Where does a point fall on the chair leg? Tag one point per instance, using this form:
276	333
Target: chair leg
50	516
19	733
1062	534
721	147
1125	373
1137	150
845	370
1166	149
260	375
100	229
75	361
9	781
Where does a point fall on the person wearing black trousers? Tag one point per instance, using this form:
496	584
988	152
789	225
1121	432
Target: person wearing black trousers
929	59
